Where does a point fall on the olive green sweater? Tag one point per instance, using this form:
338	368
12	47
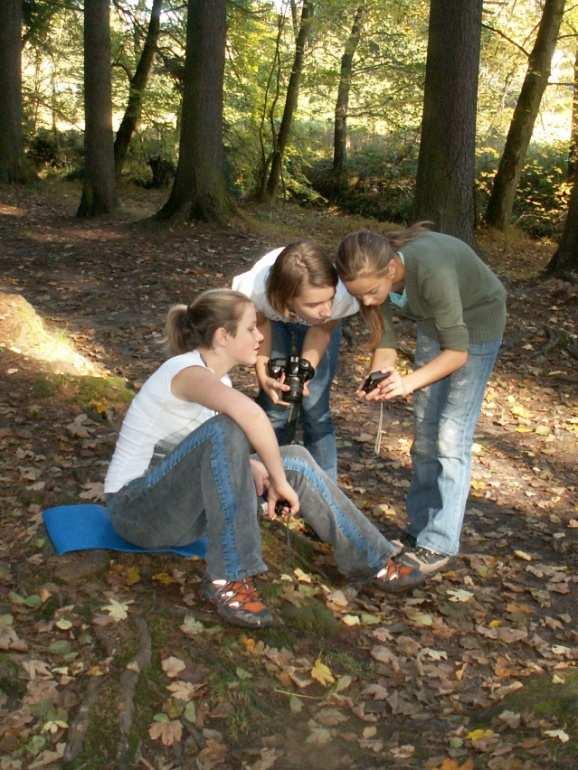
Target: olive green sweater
451	293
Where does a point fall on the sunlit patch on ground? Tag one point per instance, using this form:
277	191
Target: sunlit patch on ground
11	211
23	331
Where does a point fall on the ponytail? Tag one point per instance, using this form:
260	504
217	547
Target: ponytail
191	326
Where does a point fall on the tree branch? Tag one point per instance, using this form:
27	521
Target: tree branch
509	39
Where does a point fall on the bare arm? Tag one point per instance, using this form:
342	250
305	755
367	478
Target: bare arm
200	385
316	341
441	366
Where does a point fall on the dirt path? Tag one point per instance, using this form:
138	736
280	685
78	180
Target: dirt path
109	660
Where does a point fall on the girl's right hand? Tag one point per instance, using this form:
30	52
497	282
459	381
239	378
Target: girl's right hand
274	388
284	493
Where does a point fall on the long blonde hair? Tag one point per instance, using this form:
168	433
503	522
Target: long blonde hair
190	326
298	262
366	253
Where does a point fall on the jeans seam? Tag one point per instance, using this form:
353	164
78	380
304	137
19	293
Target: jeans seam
347	527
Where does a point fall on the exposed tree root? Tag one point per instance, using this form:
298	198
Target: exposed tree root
128	683
79	727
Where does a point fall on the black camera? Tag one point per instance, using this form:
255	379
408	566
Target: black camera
297	372
372	381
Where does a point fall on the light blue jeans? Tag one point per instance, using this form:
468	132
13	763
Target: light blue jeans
445	414
204	488
318	430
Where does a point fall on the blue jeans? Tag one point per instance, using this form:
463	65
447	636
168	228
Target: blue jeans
445	415
204	487
318	430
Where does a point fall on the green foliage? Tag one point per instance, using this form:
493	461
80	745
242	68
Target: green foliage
384	111
543	191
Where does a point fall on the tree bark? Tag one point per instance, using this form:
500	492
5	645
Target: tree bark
291	99
99	191
342	103
573	151
137	88
446	163
501	203
199	186
12	165
565	259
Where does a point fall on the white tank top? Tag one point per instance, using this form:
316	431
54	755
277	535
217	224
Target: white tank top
155	423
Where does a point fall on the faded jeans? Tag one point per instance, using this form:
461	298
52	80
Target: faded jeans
445	414
204	487
318	430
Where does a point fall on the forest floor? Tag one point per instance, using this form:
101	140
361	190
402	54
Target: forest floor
111	660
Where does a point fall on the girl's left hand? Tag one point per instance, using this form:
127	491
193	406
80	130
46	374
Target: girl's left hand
260	477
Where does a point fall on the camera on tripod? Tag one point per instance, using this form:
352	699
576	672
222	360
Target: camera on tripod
297	372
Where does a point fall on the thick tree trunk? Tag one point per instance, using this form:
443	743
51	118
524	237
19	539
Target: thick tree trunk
342	103
573	151
12	166
291	99
137	88
501	203
199	184
446	164
99	191
565	259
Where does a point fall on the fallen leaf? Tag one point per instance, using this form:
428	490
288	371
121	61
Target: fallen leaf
168	732
322	673
560	734
459	595
117	610
185	690
172	666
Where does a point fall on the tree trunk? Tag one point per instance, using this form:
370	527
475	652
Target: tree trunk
12	166
137	88
446	163
565	259
267	193
501	203
573	151
199	184
342	103
99	191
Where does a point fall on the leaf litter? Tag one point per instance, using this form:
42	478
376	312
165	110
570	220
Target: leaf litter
440	679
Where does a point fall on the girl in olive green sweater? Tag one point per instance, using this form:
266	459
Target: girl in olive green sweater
460	309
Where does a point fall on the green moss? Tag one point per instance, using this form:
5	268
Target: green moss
312	618
9	681
103	734
545	699
343	662
86	391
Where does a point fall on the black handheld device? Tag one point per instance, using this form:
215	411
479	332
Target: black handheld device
372	381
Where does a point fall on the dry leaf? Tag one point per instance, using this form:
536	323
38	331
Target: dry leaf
560	734
322	673
117	610
185	690
168	732
267	760
172	666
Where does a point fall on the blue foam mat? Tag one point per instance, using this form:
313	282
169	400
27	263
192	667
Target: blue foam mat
85	527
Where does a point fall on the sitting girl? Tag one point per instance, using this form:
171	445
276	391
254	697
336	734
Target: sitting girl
301	301
183	465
